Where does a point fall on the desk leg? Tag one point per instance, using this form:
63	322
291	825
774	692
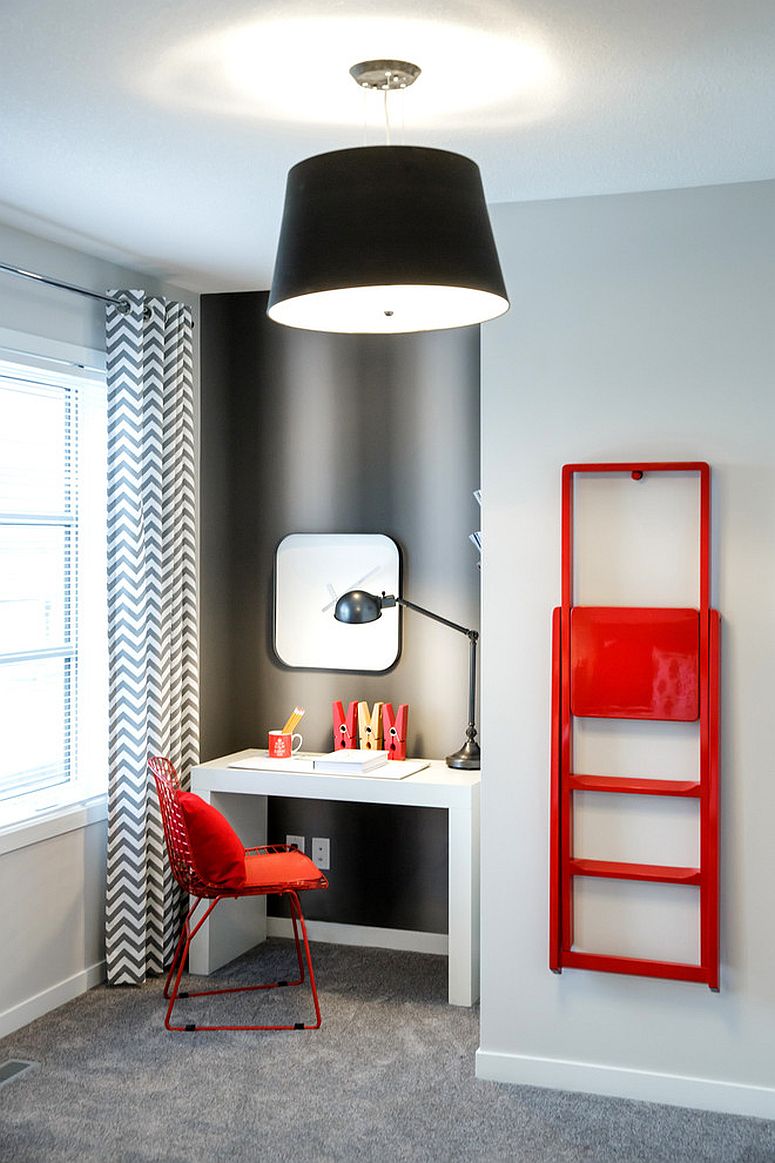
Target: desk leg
234	926
464	903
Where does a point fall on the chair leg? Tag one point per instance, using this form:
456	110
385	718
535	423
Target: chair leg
293	902
294	899
184	931
179	960
186	935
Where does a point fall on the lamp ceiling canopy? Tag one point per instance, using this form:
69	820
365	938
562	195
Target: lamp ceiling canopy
385	239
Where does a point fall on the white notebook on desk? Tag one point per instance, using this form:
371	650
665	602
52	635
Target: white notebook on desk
351	761
304	765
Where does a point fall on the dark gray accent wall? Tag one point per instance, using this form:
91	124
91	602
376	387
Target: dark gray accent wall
307	432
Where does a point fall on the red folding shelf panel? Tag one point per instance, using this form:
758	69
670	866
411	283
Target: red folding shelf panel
634	663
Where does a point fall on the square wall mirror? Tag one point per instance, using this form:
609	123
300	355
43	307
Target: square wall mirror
312	571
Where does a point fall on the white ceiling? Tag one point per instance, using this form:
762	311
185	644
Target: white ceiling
159	132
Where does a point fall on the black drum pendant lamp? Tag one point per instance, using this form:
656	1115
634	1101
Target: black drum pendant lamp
386	239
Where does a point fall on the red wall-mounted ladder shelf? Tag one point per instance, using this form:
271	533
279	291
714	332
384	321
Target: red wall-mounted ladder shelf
634	663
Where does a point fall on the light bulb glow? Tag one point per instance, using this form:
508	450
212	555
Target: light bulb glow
253	70
388	309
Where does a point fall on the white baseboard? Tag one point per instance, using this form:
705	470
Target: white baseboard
621	1082
50	999
408	940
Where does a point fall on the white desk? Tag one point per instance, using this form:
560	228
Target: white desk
241	795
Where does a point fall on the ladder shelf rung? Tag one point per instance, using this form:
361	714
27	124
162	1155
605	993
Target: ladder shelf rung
639	966
627	785
615	870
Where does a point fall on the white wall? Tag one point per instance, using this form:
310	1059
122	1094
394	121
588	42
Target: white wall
52	926
52	922
40	310
642	326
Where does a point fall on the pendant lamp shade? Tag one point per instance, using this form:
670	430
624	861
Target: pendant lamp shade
386	239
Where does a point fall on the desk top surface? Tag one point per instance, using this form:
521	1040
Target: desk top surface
435	785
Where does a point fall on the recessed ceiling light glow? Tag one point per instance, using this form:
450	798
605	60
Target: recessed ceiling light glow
296	69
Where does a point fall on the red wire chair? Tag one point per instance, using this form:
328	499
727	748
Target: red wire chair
261	880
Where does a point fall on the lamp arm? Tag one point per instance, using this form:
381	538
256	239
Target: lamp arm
388	599
472	687
468	757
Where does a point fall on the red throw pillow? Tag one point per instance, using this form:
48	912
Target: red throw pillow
218	852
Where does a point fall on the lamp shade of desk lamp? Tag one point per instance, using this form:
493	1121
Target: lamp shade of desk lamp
358	607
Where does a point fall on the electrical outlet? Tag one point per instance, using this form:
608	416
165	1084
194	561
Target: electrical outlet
321	852
297	840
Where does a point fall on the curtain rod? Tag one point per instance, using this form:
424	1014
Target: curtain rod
122	304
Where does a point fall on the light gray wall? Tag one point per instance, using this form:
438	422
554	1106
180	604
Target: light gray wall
53	922
304	432
54	314
641	327
54	930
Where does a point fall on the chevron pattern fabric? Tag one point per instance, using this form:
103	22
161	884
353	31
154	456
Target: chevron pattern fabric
152	618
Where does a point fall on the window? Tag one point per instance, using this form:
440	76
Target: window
53	634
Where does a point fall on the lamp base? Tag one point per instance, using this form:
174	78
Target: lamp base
468	758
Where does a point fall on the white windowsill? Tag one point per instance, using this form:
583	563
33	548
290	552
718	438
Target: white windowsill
59	819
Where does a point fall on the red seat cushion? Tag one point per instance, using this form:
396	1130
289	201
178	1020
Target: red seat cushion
262	870
218	852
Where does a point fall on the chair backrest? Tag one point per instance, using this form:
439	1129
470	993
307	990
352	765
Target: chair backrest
174	824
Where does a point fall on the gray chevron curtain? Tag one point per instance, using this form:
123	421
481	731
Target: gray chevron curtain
152	618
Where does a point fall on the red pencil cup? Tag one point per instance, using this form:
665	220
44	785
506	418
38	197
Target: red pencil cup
281	744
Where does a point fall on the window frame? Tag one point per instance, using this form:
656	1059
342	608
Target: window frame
71	803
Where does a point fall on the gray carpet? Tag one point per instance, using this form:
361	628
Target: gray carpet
389	1077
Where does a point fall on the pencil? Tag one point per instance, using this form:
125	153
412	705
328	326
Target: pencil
293	720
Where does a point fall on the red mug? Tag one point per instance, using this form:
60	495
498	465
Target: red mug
281	744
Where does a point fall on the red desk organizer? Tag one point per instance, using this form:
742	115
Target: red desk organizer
345	726
394	727
634	663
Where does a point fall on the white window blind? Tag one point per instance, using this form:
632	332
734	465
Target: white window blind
53	694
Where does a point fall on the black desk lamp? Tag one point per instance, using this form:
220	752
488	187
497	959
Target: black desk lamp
357	607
